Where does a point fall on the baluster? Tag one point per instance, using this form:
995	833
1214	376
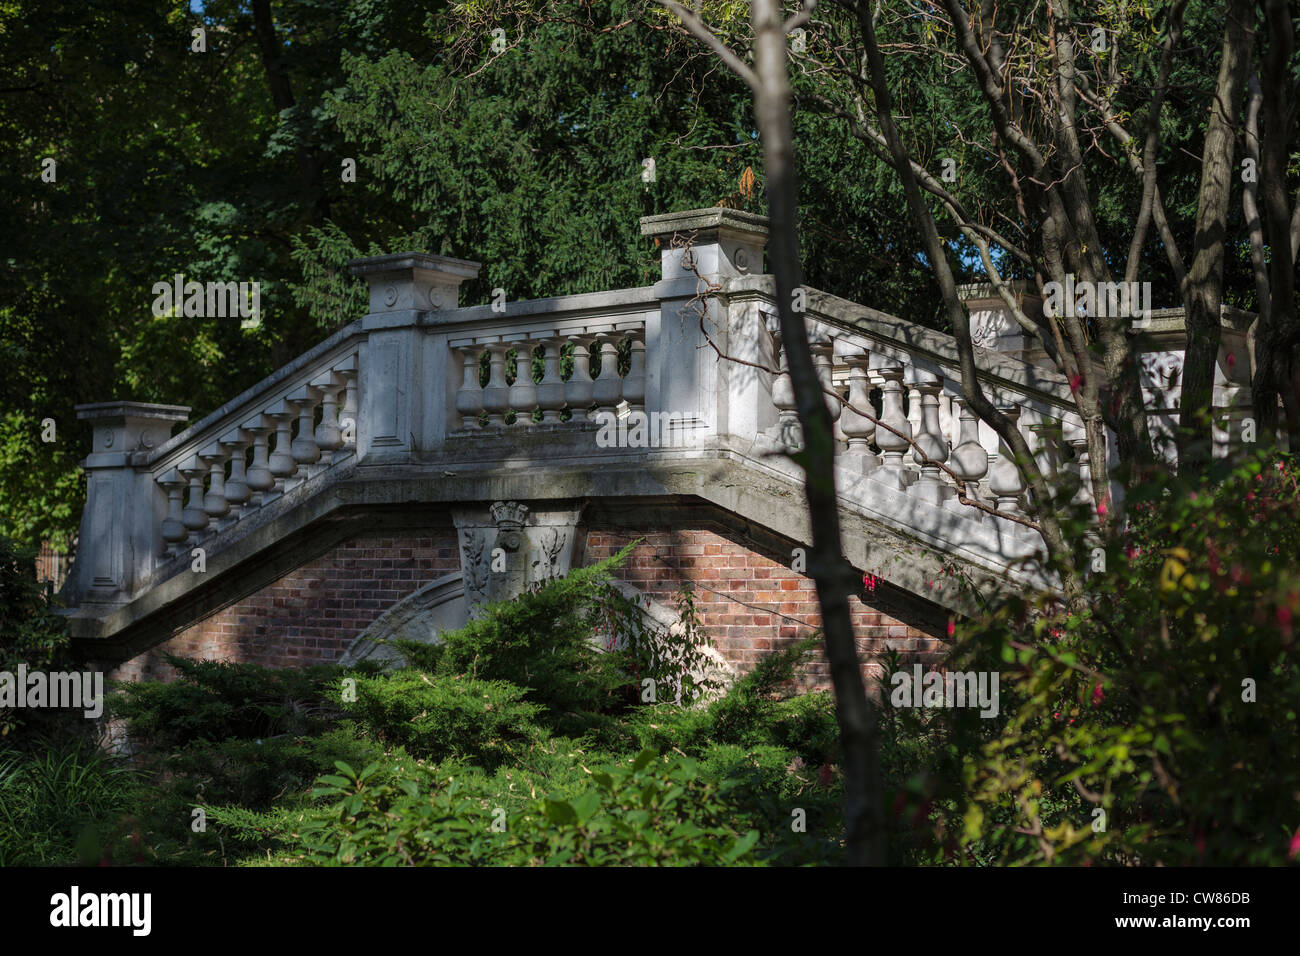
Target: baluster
892	446
1083	496
469	397
173	528
858	428
328	436
1004	476
608	390
913	403
237	488
550	391
193	516
523	393
634	382
788	430
496	397
970	459
259	478
346	372
580	387
930	487
823	364
304	448
215	504
281	463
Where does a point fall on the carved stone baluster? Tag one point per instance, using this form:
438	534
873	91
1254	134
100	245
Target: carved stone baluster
788	429
346	373
858	428
193	517
523	393
281	462
215	504
496	397
634	382
608	390
970	460
930	487
892	446
469	397
328	436
259	478
1083	496
913	403
237	489
1004	476
550	391
304	449
173	527
580	387
823	364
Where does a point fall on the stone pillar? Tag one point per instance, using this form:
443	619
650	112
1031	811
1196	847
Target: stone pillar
404	289
684	376
120	541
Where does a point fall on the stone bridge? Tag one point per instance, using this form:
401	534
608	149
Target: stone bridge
375	487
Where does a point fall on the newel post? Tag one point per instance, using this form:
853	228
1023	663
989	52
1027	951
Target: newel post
402	367
684	376
120	541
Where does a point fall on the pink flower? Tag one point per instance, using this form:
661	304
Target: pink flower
1097	694
1101	509
952	627
1294	849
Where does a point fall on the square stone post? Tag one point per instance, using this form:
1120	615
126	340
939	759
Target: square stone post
398	375
684	376
120	540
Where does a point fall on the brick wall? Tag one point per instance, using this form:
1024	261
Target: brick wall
312	614
749	602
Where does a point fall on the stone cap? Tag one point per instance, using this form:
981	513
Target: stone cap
96	411
405	281
977	291
707	221
121	428
1171	324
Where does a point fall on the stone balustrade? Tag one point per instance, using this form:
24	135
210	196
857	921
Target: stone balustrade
422	384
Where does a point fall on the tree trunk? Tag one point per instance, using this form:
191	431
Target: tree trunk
1203	292
856	715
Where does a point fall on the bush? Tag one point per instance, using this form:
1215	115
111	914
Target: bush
1156	724
646	811
219	700
59	803
440	717
31	632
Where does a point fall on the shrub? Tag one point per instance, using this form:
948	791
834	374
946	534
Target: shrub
219	700
646	811
31	632
1156	724
441	717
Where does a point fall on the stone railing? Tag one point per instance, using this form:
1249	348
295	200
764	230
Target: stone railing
423	384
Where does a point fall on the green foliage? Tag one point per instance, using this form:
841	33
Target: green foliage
1168	701
543	641
218	700
442	716
644	811
31	632
57	801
